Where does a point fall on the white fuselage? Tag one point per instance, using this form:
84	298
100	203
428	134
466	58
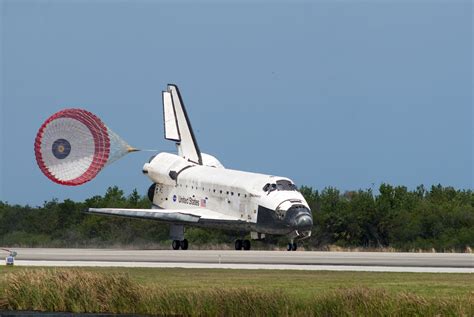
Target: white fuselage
194	189
181	184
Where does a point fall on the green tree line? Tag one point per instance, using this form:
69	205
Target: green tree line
441	218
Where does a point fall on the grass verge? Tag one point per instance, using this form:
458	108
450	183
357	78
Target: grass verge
184	292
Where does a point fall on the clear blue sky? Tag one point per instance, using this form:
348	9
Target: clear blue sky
328	93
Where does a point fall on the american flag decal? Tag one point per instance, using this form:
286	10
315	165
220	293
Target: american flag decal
203	203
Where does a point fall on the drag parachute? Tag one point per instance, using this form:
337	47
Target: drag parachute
73	146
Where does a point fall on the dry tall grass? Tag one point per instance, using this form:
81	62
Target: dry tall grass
70	291
74	290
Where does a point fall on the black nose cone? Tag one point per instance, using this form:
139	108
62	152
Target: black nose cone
304	222
300	218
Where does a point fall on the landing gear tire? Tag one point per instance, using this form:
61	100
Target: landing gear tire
246	244
184	244
176	244
238	244
291	246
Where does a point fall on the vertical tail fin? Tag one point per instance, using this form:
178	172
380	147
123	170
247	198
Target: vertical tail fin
178	127
169	116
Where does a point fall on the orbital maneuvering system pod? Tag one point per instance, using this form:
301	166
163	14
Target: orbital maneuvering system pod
189	188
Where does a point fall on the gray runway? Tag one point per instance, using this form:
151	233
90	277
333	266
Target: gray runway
300	260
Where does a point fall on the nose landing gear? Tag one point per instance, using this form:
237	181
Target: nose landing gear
183	244
299	236
245	244
292	246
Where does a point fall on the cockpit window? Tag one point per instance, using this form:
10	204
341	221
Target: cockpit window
280	185
285	185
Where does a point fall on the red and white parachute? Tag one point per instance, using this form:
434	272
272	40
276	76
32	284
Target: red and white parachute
73	146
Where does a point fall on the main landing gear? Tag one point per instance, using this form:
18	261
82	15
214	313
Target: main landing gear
242	244
183	244
292	246
177	234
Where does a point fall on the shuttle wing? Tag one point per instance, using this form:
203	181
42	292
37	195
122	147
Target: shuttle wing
177	125
194	215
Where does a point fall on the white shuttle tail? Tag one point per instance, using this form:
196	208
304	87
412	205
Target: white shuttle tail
178	127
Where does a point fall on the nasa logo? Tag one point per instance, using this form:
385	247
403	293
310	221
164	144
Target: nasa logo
174	198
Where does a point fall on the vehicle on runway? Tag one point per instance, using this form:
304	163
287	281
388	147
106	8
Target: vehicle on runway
189	188
10	259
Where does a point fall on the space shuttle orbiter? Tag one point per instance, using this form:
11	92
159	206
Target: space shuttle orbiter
192	188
